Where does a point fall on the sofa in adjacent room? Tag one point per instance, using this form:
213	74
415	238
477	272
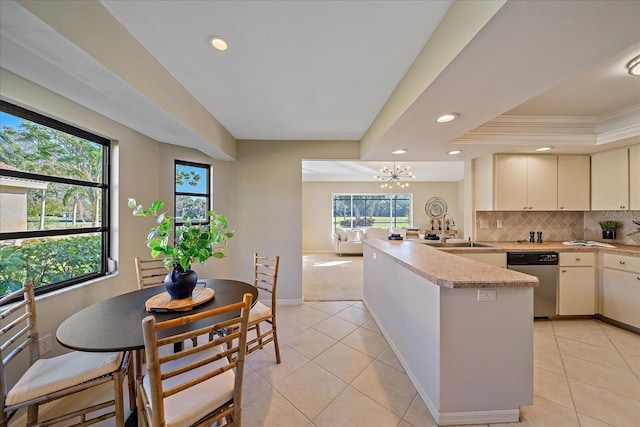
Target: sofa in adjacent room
348	241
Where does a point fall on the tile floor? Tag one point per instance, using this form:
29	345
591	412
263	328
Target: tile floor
337	370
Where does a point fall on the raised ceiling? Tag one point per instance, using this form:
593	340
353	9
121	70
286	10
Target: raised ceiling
520	73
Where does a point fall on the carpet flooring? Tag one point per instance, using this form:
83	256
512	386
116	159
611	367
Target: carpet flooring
327	276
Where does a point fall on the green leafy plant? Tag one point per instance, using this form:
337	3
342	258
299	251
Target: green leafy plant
608	225
192	242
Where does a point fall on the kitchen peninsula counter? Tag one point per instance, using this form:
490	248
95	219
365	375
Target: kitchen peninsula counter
462	329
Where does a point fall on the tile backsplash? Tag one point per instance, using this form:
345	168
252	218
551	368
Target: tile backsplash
555	226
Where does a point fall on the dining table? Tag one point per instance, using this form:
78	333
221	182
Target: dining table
115	324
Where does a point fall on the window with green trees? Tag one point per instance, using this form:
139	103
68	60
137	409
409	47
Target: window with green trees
372	210
54	201
192	193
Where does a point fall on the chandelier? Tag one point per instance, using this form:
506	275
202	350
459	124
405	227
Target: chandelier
395	175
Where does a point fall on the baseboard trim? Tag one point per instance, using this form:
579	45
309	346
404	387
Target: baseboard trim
289	301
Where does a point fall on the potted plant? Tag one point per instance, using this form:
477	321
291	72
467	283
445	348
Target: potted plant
192	243
608	228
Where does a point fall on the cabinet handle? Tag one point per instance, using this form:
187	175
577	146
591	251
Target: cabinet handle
622	262
577	259
638	277
530	207
561	207
524	207
564	271
622	207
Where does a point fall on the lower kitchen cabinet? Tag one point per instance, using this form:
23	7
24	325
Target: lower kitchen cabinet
576	284
621	289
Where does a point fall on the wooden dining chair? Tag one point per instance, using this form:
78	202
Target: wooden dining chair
199	385
46	380
150	272
265	278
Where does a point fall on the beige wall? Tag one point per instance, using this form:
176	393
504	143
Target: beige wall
317	202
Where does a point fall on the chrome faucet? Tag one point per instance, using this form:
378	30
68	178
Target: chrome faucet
444	225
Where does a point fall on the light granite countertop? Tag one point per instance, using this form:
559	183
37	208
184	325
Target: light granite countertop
447	270
500	247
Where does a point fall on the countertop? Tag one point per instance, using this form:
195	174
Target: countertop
449	271
500	247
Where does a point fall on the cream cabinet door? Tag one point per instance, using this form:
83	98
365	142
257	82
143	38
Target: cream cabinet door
621	296
542	183
634	178
576	291
511	182
574	183
610	180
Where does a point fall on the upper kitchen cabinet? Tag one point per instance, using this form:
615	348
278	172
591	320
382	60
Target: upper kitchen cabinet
574	191
634	178
610	180
526	182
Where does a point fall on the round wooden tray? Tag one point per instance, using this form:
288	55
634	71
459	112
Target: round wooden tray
163	302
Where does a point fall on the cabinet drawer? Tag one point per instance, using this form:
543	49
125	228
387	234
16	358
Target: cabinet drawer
577	259
622	262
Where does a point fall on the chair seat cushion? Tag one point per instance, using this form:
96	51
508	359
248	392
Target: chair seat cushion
259	312
188	406
47	376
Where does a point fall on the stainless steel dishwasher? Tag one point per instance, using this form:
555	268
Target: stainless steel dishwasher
543	265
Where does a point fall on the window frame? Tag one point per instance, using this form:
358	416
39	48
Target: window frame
392	198
104	229
177	193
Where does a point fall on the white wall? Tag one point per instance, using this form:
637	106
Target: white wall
317	205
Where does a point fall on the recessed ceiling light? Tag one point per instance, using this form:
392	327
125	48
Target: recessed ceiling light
400	151
446	117
544	148
452	152
218	43
634	66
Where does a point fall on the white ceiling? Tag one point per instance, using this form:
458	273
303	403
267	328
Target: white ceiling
538	73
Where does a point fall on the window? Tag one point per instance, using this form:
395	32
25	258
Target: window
192	193
372	210
54	202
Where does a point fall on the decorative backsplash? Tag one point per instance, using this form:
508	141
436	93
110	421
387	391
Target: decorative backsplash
555	226
516	225
592	230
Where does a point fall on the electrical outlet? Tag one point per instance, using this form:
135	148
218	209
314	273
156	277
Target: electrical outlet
487	294
44	344
499	223
484	223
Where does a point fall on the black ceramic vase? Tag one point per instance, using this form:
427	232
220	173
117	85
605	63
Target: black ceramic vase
609	234
179	283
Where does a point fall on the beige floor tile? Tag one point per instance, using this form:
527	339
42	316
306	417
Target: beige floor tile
372	326
387	386
604	405
355	315
592	353
352	408
548	358
335	327
552	387
331	307
310	389
311	343
418	415
626	342
253	385
584	330
544	340
289	328
587	421
309	316
614	380
388	357
263	362
633	362
343	361
542	326
272	410
366	341
360	305
544	413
